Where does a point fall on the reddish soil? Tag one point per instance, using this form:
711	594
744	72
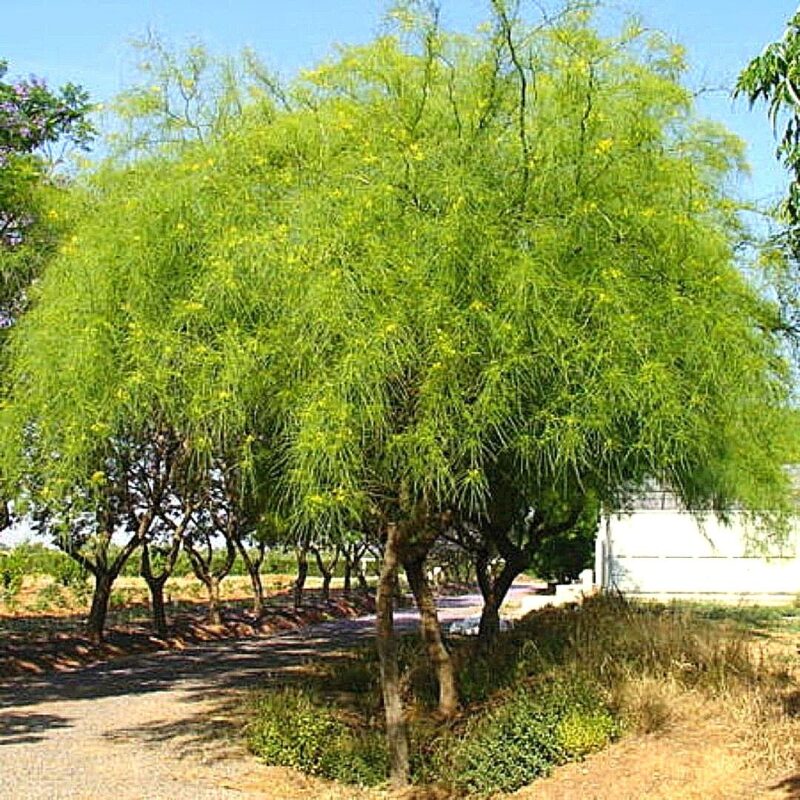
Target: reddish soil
63	647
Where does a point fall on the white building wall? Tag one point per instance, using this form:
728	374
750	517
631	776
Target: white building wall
673	554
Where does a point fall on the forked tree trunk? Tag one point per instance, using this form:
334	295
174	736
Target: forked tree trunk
209	576
494	592
438	655
396	735
326	570
253	566
104	577
157	582
302	574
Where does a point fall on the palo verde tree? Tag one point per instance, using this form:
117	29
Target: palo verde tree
436	266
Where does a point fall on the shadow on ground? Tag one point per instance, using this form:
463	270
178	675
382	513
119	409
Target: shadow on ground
25	728
790	786
230	664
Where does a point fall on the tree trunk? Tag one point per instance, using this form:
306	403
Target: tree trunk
96	621
214	612
258	593
326	570
302	574
156	583
348	576
396	735
253	567
156	587
432	636
363	585
493	598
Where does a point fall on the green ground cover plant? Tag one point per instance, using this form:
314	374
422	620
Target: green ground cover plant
565	683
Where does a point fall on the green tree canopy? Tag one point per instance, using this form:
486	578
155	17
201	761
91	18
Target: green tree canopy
424	264
436	266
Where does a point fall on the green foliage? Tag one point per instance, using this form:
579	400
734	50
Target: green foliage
293	729
183	95
69	573
49	597
37	126
524	736
561	558
564	298
772	77
13	568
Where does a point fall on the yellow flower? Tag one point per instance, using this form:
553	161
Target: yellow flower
604	147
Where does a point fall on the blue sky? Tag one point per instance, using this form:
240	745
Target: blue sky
86	41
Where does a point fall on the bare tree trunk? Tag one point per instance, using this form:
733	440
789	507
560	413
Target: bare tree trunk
157	606
96	621
494	593
104	577
253	566
326	570
363	585
214	612
348	574
432	636
155	583
258	592
302	574
208	575
396	735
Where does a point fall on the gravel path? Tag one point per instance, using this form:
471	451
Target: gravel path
153	727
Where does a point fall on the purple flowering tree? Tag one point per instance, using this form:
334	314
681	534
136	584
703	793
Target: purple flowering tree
38	126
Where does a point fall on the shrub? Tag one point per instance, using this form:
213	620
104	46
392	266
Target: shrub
292	728
12	570
523	737
50	596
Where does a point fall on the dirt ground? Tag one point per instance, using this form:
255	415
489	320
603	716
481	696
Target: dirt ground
701	760
708	751
34	641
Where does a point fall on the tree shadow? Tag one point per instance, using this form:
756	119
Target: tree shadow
789	785
26	728
216	666
212	734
